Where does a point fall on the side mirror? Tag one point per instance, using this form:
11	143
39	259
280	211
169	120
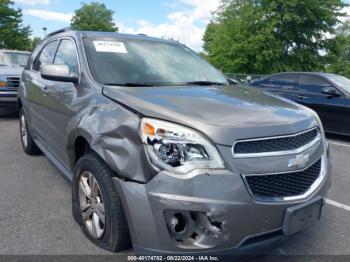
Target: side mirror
58	73
331	91
232	82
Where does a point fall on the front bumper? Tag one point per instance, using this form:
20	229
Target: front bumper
235	223
8	98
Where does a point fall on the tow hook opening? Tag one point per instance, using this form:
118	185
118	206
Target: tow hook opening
192	228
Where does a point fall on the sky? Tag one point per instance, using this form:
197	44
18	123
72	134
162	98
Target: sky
183	20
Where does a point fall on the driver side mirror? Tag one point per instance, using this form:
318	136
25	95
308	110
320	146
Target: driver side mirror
58	73
331	91
232	82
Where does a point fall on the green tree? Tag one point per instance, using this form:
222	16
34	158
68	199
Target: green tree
339	57
267	36
13	34
34	42
94	17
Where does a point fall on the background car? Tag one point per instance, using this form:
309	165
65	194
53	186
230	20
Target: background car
12	64
327	94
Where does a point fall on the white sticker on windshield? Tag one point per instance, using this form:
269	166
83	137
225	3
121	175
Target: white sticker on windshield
110	47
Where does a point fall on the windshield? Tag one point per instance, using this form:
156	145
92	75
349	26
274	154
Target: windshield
341	81
120	61
13	59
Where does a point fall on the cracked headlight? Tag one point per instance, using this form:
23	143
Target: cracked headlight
3	82
177	148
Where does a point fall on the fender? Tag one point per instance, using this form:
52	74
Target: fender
112	132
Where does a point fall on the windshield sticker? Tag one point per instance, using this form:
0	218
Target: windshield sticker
110	47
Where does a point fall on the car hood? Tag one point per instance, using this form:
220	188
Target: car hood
223	113
11	70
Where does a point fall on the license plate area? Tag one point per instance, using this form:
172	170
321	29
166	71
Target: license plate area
302	216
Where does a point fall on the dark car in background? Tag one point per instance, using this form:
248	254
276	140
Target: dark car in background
12	64
327	94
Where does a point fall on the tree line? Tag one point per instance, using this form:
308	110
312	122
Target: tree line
245	36
269	36
94	16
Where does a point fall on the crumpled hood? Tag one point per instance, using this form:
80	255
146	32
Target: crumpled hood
223	113
11	70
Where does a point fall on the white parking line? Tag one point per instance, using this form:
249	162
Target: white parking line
338	143
337	204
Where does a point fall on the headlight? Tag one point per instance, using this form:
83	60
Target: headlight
177	148
318	119
3	81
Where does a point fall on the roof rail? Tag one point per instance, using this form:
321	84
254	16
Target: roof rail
66	29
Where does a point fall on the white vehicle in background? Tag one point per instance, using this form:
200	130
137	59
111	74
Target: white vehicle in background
12	64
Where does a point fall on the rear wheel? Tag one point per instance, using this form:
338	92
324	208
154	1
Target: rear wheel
97	206
28	143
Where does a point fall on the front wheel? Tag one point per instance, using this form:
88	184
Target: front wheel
28	143
97	206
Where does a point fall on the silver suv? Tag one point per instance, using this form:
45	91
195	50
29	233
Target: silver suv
12	64
163	152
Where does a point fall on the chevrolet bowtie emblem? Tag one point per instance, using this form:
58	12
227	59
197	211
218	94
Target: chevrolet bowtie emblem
299	161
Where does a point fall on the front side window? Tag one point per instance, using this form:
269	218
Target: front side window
46	56
66	55
313	84
13	59
121	61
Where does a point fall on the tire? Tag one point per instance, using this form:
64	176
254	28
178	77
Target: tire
28	144
115	236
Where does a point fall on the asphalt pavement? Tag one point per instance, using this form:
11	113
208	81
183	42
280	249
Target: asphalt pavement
35	206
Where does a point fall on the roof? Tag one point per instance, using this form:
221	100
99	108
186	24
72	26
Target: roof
14	51
70	31
323	74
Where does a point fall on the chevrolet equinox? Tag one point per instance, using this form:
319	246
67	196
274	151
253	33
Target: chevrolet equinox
163	153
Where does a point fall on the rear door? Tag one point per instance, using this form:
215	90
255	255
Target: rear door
328	107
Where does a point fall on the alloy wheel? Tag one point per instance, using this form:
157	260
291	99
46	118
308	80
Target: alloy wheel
24	131
92	205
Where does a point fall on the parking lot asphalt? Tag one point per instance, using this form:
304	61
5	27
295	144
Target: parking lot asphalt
35	206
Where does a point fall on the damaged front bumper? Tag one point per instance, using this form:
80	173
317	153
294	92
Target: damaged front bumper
209	213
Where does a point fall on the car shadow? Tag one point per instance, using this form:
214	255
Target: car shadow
8	114
342	138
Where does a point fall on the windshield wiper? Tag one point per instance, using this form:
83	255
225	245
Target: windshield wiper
130	84
206	83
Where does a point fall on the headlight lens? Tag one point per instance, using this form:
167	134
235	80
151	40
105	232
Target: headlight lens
3	81
318	119
177	148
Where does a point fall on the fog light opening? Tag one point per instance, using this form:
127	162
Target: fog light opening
194	236
178	224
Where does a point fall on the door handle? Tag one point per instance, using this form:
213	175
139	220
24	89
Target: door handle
303	97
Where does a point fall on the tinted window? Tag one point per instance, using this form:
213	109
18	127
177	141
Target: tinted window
121	61
46	56
284	81
66	55
310	83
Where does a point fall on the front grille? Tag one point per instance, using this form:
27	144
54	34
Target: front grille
13	81
283	185
277	144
